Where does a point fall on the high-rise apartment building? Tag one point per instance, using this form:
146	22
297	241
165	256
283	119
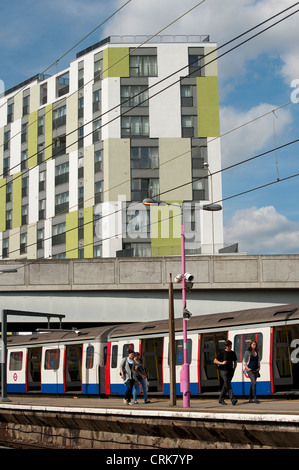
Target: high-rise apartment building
80	150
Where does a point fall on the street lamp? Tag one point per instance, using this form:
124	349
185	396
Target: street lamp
187	282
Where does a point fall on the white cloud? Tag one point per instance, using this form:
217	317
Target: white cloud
262	230
251	138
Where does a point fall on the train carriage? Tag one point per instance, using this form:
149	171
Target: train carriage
88	361
58	361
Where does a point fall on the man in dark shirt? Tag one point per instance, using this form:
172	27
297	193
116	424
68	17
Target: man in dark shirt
227	362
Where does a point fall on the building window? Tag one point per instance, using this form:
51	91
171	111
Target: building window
98	188
8	219
61	203
40	238
58	234
144	157
199	155
143	66
59	146
10	113
43	93
25	186
6	163
134	95
59	117
196	65
23	243
5	248
24	133
41	125
62	173
187	126
186	95
133	126
80	77
98	161
8	192
80	107
42	181
42	209
97	70
198	190
25	215
142	188
62	84
96	101
25	105
96	131
6	140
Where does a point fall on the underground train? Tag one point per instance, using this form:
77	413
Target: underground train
87	361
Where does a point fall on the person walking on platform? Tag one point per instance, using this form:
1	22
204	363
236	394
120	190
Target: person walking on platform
251	363
128	374
142	378
227	362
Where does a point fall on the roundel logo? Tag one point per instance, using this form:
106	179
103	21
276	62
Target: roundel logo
15	376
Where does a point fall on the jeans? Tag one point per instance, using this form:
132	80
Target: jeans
136	389
252	374
227	376
129	384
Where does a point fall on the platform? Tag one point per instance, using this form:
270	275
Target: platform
77	422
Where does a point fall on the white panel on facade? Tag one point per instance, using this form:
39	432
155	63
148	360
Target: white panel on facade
111	228
50	185
110	101
88	114
48	238
33	194
15	146
3	113
165	108
73	180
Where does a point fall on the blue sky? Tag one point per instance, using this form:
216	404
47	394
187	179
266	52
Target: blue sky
253	80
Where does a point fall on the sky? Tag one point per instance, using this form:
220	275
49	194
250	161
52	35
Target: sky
258	91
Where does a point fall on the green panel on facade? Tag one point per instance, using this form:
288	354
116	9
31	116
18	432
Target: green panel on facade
17	200
88	232
3	205
208	107
116	62
32	139
71	244
48	132
165	230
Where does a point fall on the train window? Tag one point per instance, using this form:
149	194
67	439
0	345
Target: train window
179	352
52	359
15	360
126	349
114	354
241	344
89	357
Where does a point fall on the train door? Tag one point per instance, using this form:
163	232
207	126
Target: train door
211	344
33	378
285	370
151	354
73	368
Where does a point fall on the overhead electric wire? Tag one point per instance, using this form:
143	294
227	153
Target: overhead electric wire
77	43
224	54
101	73
170	75
185	184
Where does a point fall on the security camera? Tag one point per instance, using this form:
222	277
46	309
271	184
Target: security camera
186	314
178	278
189	277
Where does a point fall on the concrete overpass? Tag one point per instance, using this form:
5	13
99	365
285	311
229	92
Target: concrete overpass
91	291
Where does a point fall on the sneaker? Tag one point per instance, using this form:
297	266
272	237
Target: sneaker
147	401
222	402
135	402
234	401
